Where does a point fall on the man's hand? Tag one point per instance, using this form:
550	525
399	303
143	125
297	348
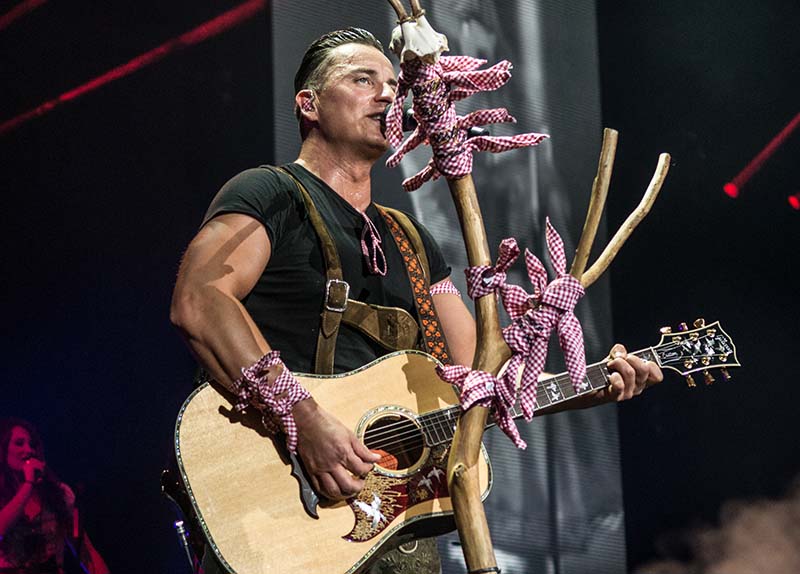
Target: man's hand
331	453
629	375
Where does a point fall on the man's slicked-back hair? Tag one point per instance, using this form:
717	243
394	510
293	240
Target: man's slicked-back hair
313	69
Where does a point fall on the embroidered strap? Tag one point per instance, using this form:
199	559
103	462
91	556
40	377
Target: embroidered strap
433	341
412	234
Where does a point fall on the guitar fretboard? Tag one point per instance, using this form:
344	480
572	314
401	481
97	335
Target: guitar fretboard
439	426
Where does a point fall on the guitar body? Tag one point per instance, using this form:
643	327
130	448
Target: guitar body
250	505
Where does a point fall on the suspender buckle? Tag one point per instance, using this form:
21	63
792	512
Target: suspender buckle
336	294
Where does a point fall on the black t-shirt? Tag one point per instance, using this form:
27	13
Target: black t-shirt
287	300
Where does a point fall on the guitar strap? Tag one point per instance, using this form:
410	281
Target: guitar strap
391	327
419	273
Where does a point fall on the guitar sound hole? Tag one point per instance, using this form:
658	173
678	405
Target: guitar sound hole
397	439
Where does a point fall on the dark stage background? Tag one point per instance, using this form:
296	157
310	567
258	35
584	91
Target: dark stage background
102	194
712	82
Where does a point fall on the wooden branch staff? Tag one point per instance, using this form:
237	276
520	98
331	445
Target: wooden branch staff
492	352
490	355
597	202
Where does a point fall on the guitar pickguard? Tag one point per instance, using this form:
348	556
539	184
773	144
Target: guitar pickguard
385	497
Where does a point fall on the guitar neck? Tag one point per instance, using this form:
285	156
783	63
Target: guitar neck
439	426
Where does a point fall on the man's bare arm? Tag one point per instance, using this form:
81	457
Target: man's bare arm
220	267
458	326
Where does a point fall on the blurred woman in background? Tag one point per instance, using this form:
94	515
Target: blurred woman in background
36	509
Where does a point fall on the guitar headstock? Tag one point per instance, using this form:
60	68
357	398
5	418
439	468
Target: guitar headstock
704	348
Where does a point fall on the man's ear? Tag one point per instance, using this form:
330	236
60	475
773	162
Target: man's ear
306	103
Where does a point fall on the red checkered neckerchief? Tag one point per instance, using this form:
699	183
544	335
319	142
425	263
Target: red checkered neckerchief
275	400
436	88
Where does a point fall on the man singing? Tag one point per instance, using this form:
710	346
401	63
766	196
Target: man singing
261	275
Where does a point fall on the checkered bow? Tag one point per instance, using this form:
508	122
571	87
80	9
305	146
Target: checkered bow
436	88
485	279
481	388
535	316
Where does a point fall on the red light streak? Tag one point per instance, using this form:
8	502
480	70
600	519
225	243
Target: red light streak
19	11
212	28
794	201
732	188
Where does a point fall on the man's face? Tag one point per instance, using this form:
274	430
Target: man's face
359	83
20	448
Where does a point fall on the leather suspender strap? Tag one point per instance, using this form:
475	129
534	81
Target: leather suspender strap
392	327
433	338
337	290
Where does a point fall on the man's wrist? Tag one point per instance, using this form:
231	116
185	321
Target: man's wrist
305	409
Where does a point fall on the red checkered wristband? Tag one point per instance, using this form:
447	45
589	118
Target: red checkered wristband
445	287
274	399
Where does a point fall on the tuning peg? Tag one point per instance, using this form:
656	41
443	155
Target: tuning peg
726	376
665	330
683	327
690	381
699	322
708	378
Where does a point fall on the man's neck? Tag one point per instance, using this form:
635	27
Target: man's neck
347	175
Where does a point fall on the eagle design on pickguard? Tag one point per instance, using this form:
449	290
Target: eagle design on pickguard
384	497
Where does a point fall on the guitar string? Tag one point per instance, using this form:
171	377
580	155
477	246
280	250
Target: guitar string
440	416
436	423
562	381
430	420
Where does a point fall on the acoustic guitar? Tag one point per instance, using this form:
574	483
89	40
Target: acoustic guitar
255	505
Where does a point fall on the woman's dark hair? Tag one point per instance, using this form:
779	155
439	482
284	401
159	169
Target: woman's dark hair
314	68
50	487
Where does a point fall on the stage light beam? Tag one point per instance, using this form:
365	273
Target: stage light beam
212	28
733	187
19	11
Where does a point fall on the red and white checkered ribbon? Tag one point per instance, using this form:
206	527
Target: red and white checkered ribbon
376	262
486	279
481	388
275	400
535	316
445	286
436	88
